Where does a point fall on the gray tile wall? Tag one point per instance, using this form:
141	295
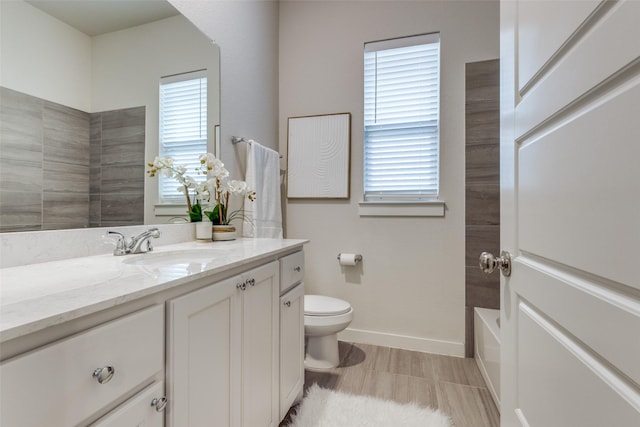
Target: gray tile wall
117	167
64	168
482	185
44	164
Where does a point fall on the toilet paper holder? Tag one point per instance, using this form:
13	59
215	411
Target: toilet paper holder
357	258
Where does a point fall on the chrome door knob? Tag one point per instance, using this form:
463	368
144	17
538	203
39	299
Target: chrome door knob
159	404
104	375
488	263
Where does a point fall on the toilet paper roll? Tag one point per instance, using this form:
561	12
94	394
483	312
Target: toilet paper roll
349	259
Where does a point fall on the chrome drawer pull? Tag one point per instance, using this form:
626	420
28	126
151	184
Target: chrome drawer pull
297	269
104	375
288	303
159	404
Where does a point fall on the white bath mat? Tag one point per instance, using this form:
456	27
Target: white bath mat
327	408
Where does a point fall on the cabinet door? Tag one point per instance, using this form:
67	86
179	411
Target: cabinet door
260	349
291	347
137	411
202	352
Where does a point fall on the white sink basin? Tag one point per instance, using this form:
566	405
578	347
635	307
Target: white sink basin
175	257
178	262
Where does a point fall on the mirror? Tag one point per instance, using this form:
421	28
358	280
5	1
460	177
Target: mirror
79	108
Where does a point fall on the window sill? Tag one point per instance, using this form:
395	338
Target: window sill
433	208
170	210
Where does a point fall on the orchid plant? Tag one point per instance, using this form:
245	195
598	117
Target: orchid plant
217	188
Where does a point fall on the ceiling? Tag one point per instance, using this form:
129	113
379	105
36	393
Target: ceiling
95	17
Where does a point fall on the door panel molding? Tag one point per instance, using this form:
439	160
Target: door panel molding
575	29
611	335
572	372
613	41
558	214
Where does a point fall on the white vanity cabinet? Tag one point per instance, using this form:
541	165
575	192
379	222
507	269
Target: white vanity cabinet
222	353
73	380
291	330
168	348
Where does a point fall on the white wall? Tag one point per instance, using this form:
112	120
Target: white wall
409	291
44	57
128	65
247	33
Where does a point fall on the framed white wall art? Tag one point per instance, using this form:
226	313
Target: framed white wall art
318	159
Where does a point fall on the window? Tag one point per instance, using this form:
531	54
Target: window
183	127
401	118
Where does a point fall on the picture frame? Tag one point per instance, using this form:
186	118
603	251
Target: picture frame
319	156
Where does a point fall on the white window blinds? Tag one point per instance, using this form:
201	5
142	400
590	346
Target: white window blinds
401	118
183	127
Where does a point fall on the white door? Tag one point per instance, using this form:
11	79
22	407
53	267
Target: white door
260	346
570	213
202	357
291	347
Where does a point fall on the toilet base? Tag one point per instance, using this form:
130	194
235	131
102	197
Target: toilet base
322	352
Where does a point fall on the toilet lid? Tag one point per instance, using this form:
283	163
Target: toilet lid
319	305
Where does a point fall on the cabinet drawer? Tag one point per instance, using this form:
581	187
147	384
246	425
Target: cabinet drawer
291	270
137	411
55	385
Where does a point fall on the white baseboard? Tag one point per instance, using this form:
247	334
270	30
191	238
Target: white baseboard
424	345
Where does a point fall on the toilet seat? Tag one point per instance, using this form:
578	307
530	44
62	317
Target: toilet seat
319	305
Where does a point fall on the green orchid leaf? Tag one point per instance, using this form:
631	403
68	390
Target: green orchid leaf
195	214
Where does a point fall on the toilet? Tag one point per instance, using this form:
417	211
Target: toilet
324	317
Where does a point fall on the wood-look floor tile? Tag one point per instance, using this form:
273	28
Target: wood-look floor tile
451	384
379	384
457	370
467	406
412	363
325	379
351	380
382	359
421	391
401	361
370	353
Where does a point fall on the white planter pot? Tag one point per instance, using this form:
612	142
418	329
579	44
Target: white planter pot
224	232
203	230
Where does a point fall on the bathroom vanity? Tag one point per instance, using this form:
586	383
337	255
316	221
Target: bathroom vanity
191	334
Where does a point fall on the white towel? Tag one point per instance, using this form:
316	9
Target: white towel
263	215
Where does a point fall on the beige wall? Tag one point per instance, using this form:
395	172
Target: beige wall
247	33
44	57
409	291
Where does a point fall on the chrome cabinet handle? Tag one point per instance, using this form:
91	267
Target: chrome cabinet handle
488	263
242	286
297	269
159	404
104	375
288	303
252	282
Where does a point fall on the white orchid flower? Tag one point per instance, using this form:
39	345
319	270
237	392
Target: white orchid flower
236	187
190	182
163	162
207	159
217	170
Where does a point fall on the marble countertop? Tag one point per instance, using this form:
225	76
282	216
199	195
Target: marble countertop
37	296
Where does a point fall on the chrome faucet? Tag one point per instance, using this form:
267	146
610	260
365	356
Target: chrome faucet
136	245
